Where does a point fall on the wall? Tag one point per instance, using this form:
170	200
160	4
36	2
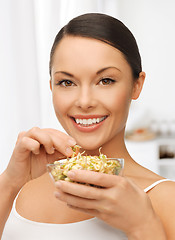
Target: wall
152	23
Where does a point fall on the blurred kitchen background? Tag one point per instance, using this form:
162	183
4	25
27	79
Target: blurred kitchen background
27	31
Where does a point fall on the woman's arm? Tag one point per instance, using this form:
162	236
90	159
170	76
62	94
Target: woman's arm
151	230
8	193
33	150
163	201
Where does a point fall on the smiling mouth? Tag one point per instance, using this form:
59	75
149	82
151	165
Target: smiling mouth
88	122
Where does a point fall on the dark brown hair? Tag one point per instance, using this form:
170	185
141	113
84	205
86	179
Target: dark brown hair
107	29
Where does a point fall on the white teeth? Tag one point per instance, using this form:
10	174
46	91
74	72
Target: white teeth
84	121
89	121
93	120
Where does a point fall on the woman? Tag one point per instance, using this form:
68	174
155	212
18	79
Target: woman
96	72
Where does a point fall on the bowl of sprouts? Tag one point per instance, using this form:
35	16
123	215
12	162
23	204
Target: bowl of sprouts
101	163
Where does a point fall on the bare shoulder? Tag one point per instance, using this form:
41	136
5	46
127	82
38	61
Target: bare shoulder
34	197
36	202
162	194
162	197
35	188
163	191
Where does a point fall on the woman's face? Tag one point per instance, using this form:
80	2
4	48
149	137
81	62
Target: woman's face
92	88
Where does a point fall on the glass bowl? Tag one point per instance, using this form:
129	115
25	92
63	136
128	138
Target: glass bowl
59	170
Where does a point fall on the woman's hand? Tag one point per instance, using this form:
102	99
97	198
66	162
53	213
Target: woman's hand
120	202
33	150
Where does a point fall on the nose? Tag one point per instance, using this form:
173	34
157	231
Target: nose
85	98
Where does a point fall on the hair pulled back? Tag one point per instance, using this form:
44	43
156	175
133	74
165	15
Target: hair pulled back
104	28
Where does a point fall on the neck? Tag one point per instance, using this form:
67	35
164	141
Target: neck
116	148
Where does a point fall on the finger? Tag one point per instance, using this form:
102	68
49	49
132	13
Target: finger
95	178
80	190
28	144
42	137
52	140
76	201
20	135
62	142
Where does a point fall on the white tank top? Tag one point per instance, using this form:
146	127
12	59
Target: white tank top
20	228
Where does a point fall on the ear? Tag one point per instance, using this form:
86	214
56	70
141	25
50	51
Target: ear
50	84
138	84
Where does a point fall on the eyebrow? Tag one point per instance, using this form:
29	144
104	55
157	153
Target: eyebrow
106	68
66	73
97	73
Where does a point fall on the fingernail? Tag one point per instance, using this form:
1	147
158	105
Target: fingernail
57	194
71	174
36	152
69	151
52	150
71	142
58	184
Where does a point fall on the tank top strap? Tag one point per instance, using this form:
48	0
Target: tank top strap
155	184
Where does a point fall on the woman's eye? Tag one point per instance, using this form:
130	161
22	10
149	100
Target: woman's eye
106	81
65	83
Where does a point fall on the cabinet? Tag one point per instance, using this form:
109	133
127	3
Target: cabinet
166	157
158	155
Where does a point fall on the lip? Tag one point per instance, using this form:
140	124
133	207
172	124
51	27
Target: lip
80	116
91	128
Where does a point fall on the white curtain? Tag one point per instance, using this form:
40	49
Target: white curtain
19	86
